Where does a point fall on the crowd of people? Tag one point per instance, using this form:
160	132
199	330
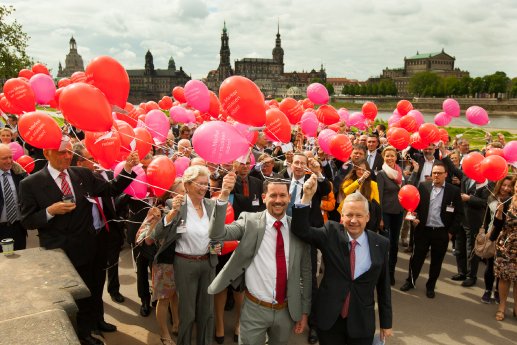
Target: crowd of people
318	237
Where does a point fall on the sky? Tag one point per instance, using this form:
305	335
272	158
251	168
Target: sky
355	39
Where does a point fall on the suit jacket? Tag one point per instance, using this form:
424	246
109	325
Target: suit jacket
73	232
17	177
388	192
332	240
167	235
249	229
246	204
378	162
451	220
116	230
324	188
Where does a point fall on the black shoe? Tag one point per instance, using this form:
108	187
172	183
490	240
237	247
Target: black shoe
469	282
219	340
117	297
313	336
106	327
392	279
145	309
236	337
89	340
97	332
407	286
459	277
430	294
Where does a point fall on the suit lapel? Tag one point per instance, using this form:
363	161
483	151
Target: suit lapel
51	188
209	207
291	245
261	230
344	250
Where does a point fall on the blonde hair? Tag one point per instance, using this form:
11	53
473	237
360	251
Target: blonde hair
388	148
193	172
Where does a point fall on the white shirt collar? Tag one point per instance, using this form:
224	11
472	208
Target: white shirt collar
270	220
54	172
481	185
300	181
361	240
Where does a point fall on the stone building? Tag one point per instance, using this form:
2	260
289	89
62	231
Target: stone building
440	63
73	62
150	84
339	83
268	74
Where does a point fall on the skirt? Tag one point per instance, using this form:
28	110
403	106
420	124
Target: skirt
164	285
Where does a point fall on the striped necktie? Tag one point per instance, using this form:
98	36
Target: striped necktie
65	187
10	204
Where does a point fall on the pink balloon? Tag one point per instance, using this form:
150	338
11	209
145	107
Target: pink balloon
182	115
343	115
510	152
477	115
317	93
219	142
43	87
158	125
309	124
451	107
181	164
419	118
16	149
137	188
324	139
244	130
357	120
395	118
442	119
197	95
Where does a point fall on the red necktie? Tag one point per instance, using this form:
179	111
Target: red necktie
65	187
101	211
245	188
281	268
344	311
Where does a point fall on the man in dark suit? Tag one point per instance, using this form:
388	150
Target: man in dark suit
439	215
264	168
247	191
356	265
12	174
57	201
374	157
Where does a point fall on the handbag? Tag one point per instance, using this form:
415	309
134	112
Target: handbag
484	247
146	229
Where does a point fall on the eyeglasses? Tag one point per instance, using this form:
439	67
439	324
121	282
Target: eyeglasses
438	172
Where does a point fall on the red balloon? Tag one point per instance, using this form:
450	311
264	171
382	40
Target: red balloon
179	94
335	127
369	110
130	116
161	174
408	123
8	108
165	103
429	133
409	197
471	166
495	151
40	68
215	105
55	102
404	107
126	133
340	147
40	130
19	93
27	163
494	167
86	107
399	138
25	73
229	246
292	109
272	103
307	104
444	136
78	77
64	82
243	101
151	105
144	141
278	127
416	141
104	147
327	114
108	75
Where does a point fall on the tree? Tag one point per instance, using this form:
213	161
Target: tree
330	88
422	82
13	43
513	88
497	83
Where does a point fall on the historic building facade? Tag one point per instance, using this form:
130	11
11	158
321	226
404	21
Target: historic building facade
150	84
268	74
440	63
73	62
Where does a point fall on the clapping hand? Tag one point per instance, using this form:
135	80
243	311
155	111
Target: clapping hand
228	184
309	189
132	160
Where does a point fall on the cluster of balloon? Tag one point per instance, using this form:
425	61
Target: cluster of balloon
409	197
479	168
138	188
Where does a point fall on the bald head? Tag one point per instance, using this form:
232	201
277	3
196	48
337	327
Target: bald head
184	147
197	161
6	157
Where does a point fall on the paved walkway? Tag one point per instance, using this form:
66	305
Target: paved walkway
455	316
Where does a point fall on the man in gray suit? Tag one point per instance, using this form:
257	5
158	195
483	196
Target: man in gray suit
270	264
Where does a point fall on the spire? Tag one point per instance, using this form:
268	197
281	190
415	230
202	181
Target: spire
278	31
224	27
172	64
73	44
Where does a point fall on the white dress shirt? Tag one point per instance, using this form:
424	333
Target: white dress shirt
299	190
260	276
427	169
55	176
195	240
363	260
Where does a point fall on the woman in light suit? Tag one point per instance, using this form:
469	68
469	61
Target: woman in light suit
184	234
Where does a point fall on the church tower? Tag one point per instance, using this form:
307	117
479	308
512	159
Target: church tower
278	52
225	68
172	64
73	61
149	65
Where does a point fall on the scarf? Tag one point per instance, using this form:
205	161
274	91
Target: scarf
394	174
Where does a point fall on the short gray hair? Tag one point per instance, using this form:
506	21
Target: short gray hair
355	197
193	172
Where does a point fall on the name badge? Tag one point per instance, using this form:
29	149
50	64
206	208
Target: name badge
255	202
182	228
449	208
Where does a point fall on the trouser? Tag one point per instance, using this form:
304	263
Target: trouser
466	261
143	266
392	224
314	266
16	232
257	321
114	246
86	317
195	304
489	275
99	274
338	334
427	237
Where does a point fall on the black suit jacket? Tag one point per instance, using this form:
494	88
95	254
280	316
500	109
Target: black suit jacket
332	240
73	232
246	204
17	177
377	163
451	197
116	230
